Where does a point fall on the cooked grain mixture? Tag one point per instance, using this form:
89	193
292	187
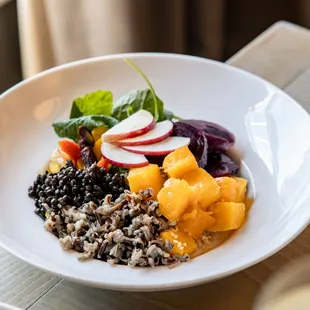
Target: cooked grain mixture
125	231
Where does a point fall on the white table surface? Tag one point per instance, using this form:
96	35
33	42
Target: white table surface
281	55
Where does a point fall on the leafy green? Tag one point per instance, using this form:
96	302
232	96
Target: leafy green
139	99
96	109
173	115
75	111
115	169
99	102
168	115
157	109
69	129
135	101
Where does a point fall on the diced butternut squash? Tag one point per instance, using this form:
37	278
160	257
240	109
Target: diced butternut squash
228	215
144	178
97	149
232	189
174	198
205	189
171	181
195	223
179	162
228	188
98	132
242	187
182	243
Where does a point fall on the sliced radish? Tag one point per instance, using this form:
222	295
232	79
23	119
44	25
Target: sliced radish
160	148
121	158
160	132
137	124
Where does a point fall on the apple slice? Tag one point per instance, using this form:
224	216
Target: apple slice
160	148
136	124
121	158
160	132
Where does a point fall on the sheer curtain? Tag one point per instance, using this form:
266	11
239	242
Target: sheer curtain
54	32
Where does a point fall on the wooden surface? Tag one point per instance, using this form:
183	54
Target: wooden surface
280	55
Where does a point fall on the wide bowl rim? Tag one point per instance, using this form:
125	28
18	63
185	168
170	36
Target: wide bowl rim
154	287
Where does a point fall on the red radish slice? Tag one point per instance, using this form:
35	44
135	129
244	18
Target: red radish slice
160	148
121	158
137	124
160	132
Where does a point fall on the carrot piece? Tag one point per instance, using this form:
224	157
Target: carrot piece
104	164
71	149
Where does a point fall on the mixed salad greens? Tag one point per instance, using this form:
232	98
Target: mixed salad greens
98	109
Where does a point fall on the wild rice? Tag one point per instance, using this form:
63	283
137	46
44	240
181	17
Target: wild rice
125	231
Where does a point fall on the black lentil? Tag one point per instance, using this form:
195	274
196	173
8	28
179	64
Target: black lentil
74	187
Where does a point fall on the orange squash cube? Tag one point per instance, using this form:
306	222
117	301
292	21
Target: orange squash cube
179	162
242	187
205	189
195	223
174	198
227	215
171	181
182	243
232	189
144	178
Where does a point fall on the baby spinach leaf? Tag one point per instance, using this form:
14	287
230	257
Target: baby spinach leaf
168	115
75	111
69	129
173	116
115	169
137	100
99	102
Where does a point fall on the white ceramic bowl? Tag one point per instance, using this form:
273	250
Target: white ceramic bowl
273	140
4	306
